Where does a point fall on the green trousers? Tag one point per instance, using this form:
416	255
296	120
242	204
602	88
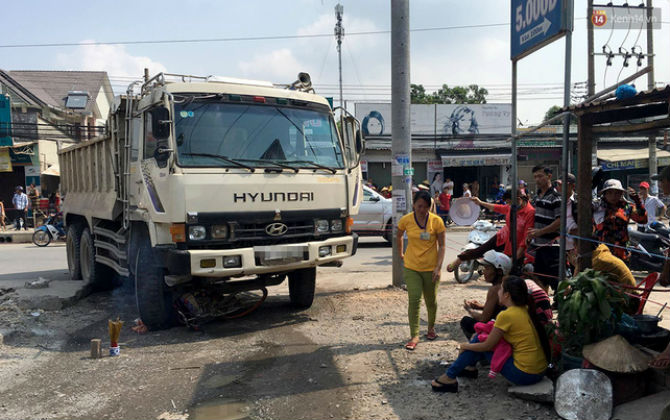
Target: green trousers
420	283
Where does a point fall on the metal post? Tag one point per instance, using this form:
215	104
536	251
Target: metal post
566	141
653	163
400	112
584	210
513	162
339	34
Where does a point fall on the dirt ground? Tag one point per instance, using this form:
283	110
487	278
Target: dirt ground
342	358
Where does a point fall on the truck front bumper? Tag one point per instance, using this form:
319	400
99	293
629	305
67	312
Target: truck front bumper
259	259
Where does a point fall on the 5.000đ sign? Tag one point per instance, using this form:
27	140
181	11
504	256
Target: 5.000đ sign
534	10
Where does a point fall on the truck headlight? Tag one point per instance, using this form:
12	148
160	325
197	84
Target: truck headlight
219	231
321	226
197	233
336	225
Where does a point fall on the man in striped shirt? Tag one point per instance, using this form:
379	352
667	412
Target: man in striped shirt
20	201
543	248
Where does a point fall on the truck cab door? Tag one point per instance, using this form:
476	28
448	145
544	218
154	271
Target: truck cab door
155	162
353	148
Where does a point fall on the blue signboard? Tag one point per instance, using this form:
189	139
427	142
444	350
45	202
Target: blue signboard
536	23
5	121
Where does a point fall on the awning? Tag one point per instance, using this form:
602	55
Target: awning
476	160
53	170
621	159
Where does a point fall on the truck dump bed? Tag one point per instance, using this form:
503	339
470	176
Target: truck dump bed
89	181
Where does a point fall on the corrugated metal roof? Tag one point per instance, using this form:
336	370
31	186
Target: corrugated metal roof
642	96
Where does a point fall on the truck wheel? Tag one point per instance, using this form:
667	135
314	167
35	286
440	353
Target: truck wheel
301	285
154	299
388	232
72	246
99	276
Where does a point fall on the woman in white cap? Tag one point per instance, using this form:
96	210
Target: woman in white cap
612	215
496	266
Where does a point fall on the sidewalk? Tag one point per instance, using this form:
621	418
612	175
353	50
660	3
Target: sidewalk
16	236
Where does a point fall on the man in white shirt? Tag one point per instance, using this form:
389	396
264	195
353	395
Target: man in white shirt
651	204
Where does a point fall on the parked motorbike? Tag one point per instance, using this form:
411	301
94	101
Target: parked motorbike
52	229
650	245
481	232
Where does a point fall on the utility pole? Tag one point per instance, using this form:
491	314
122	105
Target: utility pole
653	163
591	83
339	34
400	130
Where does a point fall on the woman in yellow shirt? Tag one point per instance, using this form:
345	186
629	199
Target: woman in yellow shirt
520	327
423	262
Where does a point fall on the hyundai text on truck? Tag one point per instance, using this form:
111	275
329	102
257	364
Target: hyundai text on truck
211	183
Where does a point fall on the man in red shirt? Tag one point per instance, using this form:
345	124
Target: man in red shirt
502	241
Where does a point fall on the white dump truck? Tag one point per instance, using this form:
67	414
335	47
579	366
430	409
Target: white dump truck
213	184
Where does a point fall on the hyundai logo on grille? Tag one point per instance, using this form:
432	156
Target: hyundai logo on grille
276	229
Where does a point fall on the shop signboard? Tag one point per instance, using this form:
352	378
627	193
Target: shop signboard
364	166
480	160
5	160
5	121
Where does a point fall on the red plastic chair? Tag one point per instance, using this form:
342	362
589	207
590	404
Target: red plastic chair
649	283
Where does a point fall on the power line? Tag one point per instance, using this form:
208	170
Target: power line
237	39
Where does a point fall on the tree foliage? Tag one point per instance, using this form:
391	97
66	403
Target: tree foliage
555	110
472	94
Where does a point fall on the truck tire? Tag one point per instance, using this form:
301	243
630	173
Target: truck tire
388	232
301	286
98	276
72	246
154	298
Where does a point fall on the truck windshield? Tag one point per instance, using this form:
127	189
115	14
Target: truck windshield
255	133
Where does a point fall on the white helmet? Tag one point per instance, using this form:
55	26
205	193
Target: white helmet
497	260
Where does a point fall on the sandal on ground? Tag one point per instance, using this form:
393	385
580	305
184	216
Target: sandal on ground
431	335
411	345
453	387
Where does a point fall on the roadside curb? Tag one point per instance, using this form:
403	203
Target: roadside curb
16	237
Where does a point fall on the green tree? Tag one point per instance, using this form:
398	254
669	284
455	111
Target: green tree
554	111
472	94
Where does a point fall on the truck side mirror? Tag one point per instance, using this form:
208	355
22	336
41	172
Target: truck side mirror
360	143
160	122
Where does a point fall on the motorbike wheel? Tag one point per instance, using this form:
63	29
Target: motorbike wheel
464	272
41	238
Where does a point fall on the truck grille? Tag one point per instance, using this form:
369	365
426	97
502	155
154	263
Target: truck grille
256	231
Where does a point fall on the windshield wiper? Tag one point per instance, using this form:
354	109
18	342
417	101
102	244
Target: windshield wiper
281	165
223	158
315	165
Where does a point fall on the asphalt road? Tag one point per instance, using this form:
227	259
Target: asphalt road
28	262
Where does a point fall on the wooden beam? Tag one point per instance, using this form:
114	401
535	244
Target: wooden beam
584	210
627	114
632	128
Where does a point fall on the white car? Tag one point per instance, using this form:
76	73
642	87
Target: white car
374	216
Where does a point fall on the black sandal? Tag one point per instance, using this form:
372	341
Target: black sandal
453	387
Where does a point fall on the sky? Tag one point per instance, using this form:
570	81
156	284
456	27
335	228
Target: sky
456	56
